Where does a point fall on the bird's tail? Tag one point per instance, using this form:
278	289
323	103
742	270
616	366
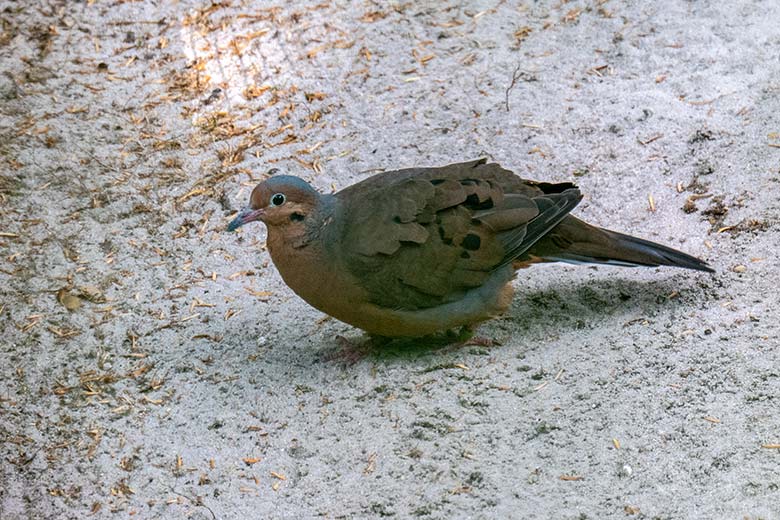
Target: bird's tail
575	241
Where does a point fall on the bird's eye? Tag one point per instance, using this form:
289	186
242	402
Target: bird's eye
278	199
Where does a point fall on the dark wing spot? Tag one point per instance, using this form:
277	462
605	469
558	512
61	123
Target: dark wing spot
465	254
471	242
436	182
472	202
397	220
446	241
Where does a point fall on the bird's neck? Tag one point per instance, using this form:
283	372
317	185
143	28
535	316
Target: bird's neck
301	255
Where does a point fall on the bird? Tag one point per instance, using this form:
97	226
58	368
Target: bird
419	251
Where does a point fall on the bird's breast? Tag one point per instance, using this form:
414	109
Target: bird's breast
315	275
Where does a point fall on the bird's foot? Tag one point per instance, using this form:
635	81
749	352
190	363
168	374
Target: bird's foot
480	341
352	350
349	351
465	338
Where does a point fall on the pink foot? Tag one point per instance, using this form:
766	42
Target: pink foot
480	341
349	351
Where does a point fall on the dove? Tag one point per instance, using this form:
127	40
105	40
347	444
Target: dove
417	251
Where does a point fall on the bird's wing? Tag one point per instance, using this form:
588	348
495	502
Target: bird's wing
422	237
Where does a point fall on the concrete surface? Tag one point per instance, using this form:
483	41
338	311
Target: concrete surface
154	366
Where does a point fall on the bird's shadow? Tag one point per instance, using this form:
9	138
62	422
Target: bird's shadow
561	306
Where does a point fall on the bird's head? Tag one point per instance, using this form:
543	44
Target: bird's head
282	200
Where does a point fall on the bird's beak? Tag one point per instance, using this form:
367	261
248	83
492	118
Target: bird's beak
245	215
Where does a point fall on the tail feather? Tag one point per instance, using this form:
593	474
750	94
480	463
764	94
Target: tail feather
575	241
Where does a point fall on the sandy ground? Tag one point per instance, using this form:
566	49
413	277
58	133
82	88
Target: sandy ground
154	366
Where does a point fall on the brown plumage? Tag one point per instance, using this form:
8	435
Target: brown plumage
416	251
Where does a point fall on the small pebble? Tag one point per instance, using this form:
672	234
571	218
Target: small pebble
8	88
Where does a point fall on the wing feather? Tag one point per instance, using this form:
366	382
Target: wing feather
422	237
